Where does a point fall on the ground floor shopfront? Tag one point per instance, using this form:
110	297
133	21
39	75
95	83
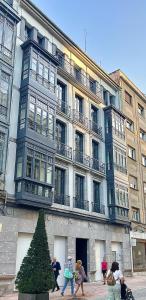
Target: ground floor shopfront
89	241
138	244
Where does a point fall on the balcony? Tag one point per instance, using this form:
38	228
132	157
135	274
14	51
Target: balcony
64	150
80	157
96	129
96	207
120	168
3	110
81	77
96	165
118	133
62	107
6	52
62	199
80	117
80	203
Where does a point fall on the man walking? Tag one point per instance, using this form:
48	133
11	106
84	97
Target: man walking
56	268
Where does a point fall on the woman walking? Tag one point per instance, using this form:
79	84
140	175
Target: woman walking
114	280
104	269
79	277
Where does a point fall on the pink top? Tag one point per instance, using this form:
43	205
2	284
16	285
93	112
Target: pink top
104	265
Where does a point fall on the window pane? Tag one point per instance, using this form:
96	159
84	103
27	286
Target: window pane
41	69
49	174
22	115
1	32
51	126
44	123
31	115
34	64
38	120
19	167
42	171
37	169
8	37
29	166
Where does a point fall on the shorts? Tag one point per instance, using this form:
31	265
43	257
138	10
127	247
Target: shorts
104	272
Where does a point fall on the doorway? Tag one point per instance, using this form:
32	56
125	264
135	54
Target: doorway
81	252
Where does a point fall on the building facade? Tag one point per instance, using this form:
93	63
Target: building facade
134	108
63	148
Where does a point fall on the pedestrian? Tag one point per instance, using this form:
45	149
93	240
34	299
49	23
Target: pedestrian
123	290
80	276
114	280
68	275
56	268
104	269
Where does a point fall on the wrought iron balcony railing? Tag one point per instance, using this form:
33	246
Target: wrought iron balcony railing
5	51
95	164
80	203
82	158
3	110
62	199
64	150
96	129
63	107
79	75
81	118
98	208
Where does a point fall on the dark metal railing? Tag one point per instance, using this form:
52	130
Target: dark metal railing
80	117
63	107
95	164
82	158
97	207
95	128
80	203
78	75
62	199
64	150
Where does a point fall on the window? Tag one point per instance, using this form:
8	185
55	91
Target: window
41	117
2	147
142	135
120	159
4	93
77	73
79	188
109	160
144	187
95	149
39	166
112	99
133	182
96	196
121	195
27	32
128	98
92	85
144	160
131	153
59	181
79	104
61	91
135	214
37	189
19	165
130	125
94	114
60	132
79	141
140	110
6	37
42	71
118	125
22	114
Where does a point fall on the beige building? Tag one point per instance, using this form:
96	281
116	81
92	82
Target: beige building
134	108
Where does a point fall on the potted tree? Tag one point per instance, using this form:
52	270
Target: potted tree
35	276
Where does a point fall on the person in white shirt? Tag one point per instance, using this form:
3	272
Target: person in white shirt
114	291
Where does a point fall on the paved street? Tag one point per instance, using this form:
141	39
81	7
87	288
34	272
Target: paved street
98	291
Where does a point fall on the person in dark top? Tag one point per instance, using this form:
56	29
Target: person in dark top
56	268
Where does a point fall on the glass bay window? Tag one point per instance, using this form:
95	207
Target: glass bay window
6	36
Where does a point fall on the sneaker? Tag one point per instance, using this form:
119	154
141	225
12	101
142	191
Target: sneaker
62	294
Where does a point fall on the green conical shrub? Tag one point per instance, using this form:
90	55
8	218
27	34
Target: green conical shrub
36	275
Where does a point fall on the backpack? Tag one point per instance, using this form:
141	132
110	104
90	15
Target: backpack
110	279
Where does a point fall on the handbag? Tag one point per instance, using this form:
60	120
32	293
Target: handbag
110	279
68	274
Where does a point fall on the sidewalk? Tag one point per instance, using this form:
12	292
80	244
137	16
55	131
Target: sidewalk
96	291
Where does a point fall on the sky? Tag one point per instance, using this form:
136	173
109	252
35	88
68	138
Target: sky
115	32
